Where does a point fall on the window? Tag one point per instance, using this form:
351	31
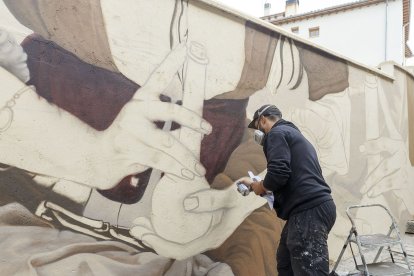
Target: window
295	30
314	32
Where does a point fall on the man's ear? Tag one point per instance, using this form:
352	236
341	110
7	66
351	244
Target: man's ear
263	119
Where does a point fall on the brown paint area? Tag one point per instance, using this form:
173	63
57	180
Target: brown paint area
228	120
94	95
410	104
246	157
326	73
259	47
251	249
76	25
17	186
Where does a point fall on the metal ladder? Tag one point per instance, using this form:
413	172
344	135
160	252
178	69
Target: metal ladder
379	241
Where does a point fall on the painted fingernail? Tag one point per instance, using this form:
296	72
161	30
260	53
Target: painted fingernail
206	127
200	169
190	203
187	174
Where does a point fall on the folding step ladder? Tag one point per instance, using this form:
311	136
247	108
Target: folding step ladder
377	241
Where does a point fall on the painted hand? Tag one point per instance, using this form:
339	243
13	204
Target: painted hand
229	209
136	142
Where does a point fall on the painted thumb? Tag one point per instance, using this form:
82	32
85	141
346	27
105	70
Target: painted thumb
210	200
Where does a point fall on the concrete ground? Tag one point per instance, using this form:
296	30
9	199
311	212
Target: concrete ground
347	266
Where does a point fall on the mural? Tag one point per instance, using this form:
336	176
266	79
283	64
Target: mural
123	130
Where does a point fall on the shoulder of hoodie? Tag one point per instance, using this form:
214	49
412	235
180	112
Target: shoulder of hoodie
283	130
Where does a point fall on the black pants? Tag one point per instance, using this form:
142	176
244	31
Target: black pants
303	248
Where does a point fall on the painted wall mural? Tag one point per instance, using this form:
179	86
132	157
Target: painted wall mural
123	129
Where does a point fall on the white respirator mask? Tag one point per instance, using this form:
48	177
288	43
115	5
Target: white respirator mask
259	137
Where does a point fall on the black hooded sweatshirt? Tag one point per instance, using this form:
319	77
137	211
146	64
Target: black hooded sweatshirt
293	171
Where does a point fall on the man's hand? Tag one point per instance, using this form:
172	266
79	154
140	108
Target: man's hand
258	188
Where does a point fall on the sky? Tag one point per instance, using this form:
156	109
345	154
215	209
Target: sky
255	8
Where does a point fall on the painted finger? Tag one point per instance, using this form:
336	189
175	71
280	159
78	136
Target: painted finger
203	260
139	232
210	200
164	162
162	76
159	150
164	111
174	91
167	145
143	222
183	116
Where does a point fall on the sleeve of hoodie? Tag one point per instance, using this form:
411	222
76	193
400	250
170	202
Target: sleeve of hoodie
278	161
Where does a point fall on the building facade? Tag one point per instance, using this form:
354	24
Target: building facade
370	31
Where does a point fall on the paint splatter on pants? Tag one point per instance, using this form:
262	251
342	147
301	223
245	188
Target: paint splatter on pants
303	248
